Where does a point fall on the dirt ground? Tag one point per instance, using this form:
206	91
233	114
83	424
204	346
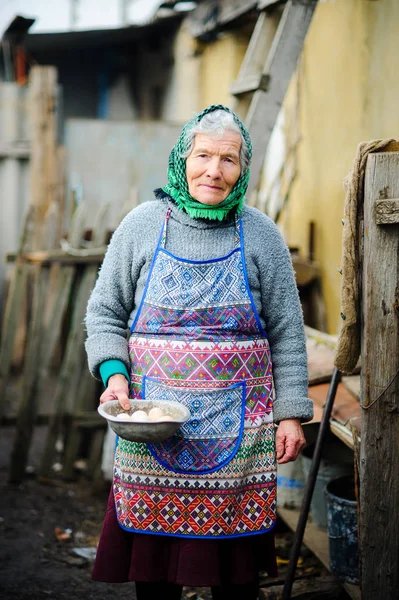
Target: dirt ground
35	565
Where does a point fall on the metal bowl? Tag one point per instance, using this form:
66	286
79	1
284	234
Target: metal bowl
151	431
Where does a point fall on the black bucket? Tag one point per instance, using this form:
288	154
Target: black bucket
342	529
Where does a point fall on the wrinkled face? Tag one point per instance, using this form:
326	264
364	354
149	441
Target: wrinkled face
213	167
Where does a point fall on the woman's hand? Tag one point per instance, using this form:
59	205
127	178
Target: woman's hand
117	389
289	440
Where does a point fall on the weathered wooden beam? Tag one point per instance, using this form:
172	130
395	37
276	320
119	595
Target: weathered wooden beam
42	105
206	17
386	212
252	65
28	407
262	4
13	309
96	255
15	150
305	270
251	83
379	452
279	66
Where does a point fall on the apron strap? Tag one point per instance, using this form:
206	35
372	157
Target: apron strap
237	230
165	225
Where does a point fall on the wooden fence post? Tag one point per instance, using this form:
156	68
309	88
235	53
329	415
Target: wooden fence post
42	105
379	454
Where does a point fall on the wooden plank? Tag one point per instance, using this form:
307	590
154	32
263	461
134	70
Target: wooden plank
315	538
73	358
262	4
379	452
62	280
346	406
28	407
68	369
84	395
206	17
305	271
19	150
386	212
42	103
343	433
250	83
317	541
254	60
13	308
280	66
321	337
12	313
65	257
352	384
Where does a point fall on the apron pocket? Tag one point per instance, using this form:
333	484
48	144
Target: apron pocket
211	437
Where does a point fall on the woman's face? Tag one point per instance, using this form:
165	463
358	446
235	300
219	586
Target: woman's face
213	167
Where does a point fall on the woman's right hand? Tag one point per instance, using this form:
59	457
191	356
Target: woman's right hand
117	389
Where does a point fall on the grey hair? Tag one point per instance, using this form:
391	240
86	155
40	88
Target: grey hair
215	124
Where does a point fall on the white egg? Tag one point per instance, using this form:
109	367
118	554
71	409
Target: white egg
166	418
155	414
123	416
139	416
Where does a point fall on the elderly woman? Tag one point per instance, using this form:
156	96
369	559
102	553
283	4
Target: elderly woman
207	288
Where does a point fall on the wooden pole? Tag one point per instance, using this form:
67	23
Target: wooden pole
42	106
379	453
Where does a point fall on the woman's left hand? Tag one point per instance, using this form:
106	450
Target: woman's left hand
290	440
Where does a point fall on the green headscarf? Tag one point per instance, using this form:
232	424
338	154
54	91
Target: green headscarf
177	187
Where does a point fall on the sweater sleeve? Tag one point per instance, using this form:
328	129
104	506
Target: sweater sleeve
282	313
112	367
111	303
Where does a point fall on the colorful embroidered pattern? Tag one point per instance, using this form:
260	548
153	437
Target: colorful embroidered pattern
227	322
198	512
186	285
214	413
197	340
254	458
200	361
194	456
242	501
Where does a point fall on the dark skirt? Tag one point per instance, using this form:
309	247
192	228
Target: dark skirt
123	556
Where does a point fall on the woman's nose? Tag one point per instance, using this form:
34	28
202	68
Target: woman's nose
214	168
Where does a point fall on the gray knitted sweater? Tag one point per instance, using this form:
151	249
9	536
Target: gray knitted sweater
121	281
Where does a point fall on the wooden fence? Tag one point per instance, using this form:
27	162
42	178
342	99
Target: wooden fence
43	322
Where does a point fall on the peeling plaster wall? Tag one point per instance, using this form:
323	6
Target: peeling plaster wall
348	90
220	63
182	98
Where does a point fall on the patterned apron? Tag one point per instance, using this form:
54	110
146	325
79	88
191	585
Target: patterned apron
197	339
